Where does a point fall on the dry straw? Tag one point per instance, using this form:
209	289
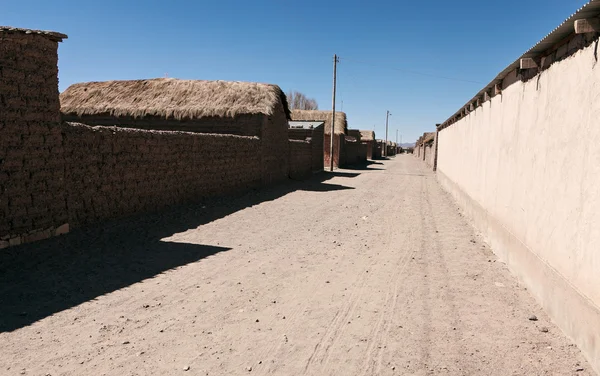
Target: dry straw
172	98
367	135
341	125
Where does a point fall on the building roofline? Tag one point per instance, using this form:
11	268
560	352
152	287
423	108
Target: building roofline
563	31
53	35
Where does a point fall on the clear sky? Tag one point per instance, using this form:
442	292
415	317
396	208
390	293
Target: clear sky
291	43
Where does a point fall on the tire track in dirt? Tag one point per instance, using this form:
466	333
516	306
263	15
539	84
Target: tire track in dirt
323	349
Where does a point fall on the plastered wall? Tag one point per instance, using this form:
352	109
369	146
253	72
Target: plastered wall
526	166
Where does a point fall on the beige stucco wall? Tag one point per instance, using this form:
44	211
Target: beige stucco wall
526	165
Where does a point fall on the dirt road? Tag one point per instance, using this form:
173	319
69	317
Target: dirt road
364	272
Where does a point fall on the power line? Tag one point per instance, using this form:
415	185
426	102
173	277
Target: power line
411	71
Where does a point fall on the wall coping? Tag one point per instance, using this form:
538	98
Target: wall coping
52	35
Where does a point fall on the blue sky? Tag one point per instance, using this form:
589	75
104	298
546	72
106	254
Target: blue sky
291	43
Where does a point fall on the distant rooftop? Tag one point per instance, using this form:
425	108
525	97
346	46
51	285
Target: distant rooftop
300	124
53	35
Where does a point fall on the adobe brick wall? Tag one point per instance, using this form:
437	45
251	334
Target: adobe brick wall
352	152
370	147
241	124
316	137
274	146
362	153
300	158
32	203
272	129
113	172
339	150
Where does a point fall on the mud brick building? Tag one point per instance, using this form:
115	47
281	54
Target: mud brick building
169	104
339	133
32	182
313	131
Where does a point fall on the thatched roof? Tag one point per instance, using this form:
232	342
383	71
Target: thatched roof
367	135
341	124
428	137
171	98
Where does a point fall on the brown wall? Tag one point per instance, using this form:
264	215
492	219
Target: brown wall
316	137
32	203
300	153
339	150
272	129
54	174
112	173
369	145
242	125
355	153
274	146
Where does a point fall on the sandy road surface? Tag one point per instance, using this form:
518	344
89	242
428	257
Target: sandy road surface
368	272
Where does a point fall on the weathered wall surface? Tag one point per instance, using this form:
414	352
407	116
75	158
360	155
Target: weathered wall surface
526	167
113	172
352	152
316	137
370	145
32	205
300	158
240	124
429	155
339	150
274	146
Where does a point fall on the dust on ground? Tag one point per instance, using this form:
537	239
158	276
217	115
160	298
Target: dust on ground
371	271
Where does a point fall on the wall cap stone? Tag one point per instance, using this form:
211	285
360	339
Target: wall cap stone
53	35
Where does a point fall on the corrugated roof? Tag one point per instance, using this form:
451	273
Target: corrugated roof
298	124
589	10
48	34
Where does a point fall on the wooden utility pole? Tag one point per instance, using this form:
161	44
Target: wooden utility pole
332	132
387	115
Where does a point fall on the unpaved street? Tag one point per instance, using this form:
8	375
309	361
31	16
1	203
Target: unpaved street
367	272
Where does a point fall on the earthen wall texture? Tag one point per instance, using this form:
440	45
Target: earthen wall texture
300	157
241	124
352	152
32	203
316	137
114	172
274	146
339	150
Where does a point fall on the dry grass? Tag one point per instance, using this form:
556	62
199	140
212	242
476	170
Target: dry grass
341	124
428	137
171	98
367	135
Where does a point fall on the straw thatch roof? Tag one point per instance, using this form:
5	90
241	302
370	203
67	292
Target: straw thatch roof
341	124
171	98
367	135
428	137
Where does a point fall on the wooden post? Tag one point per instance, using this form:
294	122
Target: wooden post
335	61
528	63
587	25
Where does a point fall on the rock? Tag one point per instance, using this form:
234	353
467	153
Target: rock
257	320
249	369
544	329
186	368
579	369
125	342
533	318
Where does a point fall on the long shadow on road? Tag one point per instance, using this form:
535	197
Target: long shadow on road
40	279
